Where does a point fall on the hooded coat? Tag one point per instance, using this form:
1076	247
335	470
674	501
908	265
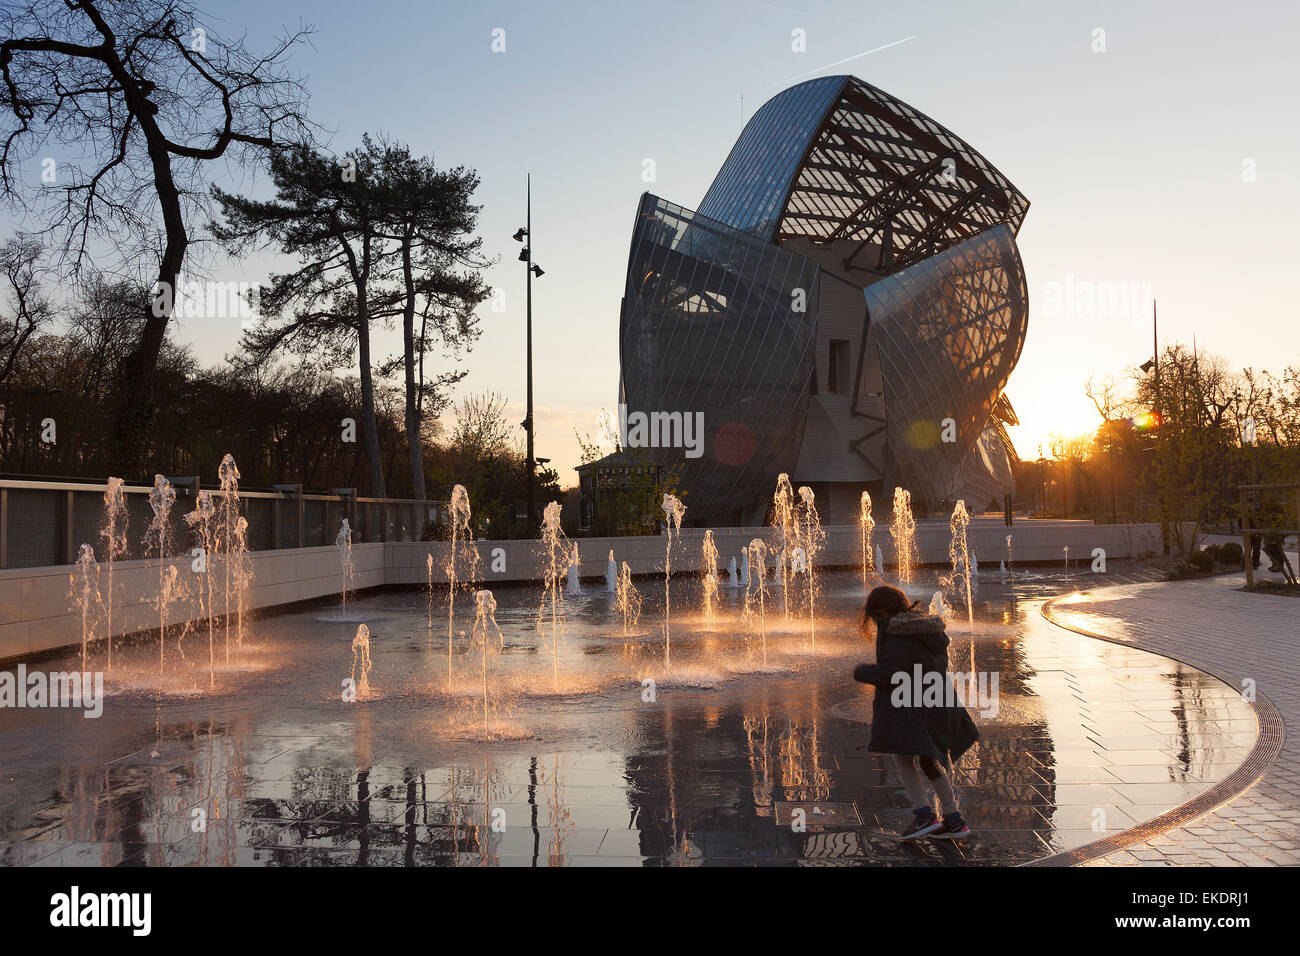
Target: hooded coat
905	726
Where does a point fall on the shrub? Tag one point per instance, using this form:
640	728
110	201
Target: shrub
1201	561
1230	554
1213	551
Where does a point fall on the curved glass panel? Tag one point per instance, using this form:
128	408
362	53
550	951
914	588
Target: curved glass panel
949	332
711	328
750	189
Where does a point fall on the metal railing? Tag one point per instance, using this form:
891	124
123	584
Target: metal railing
1246	513
45	522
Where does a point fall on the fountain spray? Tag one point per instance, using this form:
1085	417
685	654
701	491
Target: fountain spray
555	550
812	537
83	589
903	531
710	568
201	522
231	541
783	518
462	539
673	511
758	550
628	598
960	556
485	622
161	500
866	524
116	518
361	662
343	542
428	590
574	584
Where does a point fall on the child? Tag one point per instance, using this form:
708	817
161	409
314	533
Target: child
937	735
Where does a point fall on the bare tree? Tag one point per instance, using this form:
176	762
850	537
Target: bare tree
124	103
26	309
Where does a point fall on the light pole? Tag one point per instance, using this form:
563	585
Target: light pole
525	235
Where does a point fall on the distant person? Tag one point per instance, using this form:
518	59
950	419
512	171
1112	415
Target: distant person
935	735
1252	521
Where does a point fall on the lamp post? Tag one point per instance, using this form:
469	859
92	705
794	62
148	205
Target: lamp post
525	235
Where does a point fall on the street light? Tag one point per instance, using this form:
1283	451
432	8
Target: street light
525	235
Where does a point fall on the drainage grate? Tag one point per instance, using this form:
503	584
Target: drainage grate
1262	755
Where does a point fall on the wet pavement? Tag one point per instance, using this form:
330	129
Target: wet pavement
1250	639
722	761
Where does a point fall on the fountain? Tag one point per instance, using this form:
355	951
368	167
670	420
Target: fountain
611	574
709	558
202	524
1066	549
673	510
880	560
243	575
732	574
116	518
811	536
83	588
574	585
758	548
784	519
903	531
485	622
744	569
161	500
866	524
343	542
428	591
554	557
628	598
1011	568
939	608
962	568
361	662
230	539
462	544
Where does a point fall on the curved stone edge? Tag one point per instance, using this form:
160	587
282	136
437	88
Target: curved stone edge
1268	744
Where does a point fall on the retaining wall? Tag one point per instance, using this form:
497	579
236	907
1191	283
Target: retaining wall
37	613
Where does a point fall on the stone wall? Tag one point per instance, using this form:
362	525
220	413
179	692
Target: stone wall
37	614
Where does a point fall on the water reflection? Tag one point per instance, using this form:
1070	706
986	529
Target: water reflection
716	768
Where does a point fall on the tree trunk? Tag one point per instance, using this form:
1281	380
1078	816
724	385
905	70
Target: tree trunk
369	422
136	403
415	447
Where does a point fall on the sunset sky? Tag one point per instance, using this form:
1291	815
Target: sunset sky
1137	160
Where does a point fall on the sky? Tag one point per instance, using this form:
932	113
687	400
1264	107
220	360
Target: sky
1160	156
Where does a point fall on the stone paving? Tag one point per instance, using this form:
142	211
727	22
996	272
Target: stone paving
1213	622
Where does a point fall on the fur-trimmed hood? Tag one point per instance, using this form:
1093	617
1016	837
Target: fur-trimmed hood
925	628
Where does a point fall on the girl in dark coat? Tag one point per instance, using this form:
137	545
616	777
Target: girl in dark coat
904	721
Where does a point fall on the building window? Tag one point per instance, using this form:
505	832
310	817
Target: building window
837	372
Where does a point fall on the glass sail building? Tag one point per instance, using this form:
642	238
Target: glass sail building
846	306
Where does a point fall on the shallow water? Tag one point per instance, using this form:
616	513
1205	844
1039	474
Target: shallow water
719	761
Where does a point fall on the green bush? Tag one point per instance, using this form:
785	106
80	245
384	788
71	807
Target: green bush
1213	551
1230	554
1201	561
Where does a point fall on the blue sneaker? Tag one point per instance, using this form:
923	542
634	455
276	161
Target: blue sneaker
923	825
951	830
